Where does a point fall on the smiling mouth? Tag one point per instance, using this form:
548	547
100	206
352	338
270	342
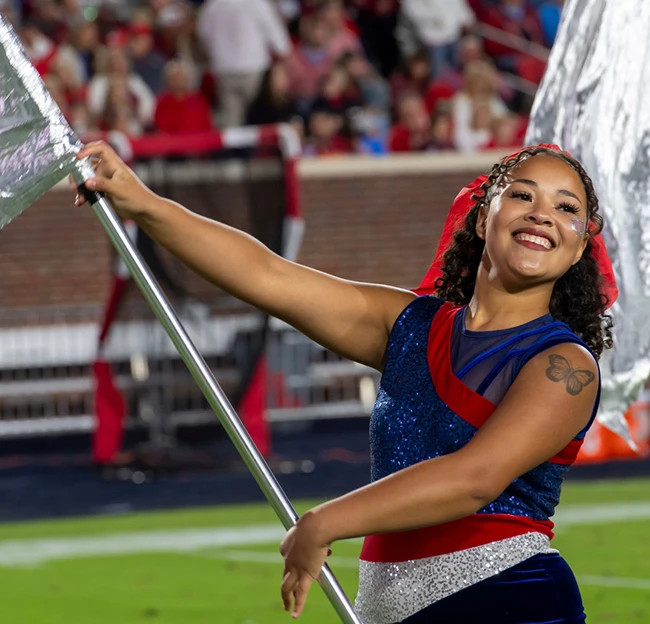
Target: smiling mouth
533	242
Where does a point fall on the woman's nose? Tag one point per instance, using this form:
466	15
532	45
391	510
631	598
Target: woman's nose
539	213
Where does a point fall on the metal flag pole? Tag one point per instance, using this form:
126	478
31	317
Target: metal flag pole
207	383
38	149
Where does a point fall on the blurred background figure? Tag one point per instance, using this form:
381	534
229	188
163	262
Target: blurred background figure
371	128
325	133
476	107
412	131
116	92
179	108
517	18
343	32
273	103
373	89
309	62
437	26
241	38
377	20
146	61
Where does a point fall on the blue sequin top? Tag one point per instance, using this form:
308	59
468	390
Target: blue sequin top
410	423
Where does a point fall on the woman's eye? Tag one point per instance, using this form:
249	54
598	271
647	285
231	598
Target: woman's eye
521	195
569	208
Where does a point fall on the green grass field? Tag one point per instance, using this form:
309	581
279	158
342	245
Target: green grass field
105	570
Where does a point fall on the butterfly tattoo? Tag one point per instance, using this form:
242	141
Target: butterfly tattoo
560	369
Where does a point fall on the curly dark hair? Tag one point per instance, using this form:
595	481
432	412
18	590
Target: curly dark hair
576	300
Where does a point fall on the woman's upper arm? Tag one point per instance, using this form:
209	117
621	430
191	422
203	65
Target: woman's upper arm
353	319
550	402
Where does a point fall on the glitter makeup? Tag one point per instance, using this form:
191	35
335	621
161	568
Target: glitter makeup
578	226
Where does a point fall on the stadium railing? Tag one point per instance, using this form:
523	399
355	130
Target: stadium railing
246	177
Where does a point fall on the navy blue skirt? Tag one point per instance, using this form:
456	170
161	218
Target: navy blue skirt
540	590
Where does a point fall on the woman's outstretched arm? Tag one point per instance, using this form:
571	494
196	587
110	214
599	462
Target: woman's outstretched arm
351	318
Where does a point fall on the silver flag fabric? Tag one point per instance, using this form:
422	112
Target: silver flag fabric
37	147
594	101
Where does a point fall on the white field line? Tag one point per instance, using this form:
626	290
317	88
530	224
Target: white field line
31	552
35	551
602	514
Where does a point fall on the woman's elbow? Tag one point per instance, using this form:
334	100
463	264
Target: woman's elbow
481	489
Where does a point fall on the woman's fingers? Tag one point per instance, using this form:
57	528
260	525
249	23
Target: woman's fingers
295	588
289	582
300	594
79	199
105	160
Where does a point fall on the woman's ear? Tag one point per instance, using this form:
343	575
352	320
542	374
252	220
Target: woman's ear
481	221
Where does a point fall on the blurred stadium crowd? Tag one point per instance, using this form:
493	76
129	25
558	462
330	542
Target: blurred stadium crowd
365	76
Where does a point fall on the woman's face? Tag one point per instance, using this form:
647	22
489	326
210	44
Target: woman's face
535	228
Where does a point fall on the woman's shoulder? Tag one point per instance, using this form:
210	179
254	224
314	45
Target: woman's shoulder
571	364
420	306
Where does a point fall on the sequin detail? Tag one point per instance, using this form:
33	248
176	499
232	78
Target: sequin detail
391	592
535	494
410	423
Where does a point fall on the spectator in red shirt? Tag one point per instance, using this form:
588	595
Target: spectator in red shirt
412	132
325	134
179	109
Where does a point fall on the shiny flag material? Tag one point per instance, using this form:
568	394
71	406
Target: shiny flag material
593	101
37	147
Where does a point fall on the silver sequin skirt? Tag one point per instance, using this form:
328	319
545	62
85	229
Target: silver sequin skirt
391	592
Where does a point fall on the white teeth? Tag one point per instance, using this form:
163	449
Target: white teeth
538	240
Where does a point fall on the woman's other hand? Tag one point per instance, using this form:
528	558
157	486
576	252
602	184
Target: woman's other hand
304	555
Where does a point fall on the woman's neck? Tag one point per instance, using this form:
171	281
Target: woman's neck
495	307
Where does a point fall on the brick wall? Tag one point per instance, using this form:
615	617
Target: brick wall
366	220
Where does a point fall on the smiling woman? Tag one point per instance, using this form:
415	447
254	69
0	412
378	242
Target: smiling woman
568	276
490	382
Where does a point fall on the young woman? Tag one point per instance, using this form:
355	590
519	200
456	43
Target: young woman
488	389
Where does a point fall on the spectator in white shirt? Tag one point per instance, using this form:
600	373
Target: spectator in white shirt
477	107
115	76
241	38
436	25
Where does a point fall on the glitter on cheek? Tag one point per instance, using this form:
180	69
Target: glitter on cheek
578	226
